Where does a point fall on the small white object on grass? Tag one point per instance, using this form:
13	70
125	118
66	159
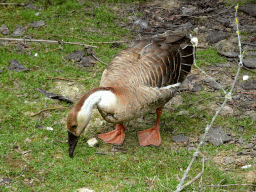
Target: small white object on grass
246	166
49	128
37	14
245	77
93	142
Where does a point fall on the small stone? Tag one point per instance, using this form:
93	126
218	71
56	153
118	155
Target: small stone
76	55
183	113
179	138
189	148
49	128
92	142
249	146
240	128
249	85
226	111
19	31
4	29
16	66
228	160
228	54
37	23
216	36
84	189
217	136
27	140
240	140
250	62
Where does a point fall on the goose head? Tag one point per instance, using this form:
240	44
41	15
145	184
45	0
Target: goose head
79	116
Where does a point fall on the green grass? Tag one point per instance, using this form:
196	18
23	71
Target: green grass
47	167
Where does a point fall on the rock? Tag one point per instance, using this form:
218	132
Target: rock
249	85
216	36
226	111
19	31
189	148
84	189
211	83
27	140
223	21
186	113
197	87
249	9
240	129
217	136
16	66
248	28
250	53
228	160
77	55
228	54
249	146
222	65
5	181
30	6
37	23
240	140
87	61
250	62
4	29
187	11
93	142
179	138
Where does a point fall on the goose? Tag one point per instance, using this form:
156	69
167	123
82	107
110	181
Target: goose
141	78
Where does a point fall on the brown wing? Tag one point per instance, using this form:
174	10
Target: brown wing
154	62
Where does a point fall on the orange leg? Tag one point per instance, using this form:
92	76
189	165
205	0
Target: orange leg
115	137
151	136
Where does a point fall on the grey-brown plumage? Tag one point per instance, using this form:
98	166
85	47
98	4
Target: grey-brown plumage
141	78
140	75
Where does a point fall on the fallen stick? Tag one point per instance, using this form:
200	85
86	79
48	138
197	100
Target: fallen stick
229	185
18	4
49	41
192	180
49	110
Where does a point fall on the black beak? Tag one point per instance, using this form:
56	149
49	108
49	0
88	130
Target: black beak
72	141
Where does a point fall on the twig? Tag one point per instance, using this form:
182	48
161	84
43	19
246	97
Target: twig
99	59
5	47
18	4
55	108
192	180
49	41
111	42
60	78
227	97
229	185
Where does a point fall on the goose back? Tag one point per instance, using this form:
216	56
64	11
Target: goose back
141	74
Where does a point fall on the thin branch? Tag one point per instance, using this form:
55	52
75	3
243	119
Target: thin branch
60	78
111	42
227	97
49	41
192	180
55	108
99	59
228	185
18	4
